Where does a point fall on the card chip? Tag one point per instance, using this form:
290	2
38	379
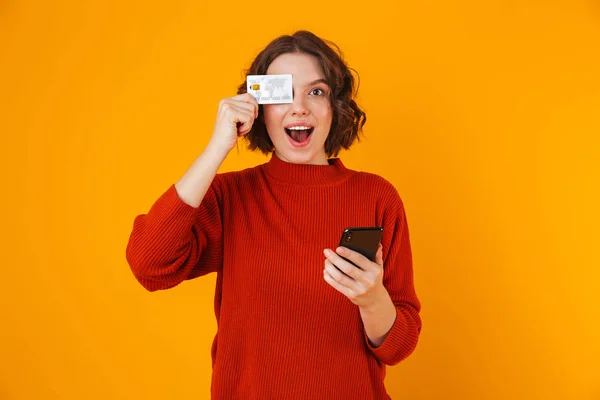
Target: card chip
256	86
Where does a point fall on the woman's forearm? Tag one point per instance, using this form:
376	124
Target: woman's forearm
378	319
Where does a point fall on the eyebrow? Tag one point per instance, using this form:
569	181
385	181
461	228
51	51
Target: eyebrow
322	80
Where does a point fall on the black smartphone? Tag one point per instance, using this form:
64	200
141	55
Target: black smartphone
362	240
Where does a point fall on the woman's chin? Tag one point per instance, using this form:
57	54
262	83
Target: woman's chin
305	156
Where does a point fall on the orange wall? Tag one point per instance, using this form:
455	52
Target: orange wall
485	116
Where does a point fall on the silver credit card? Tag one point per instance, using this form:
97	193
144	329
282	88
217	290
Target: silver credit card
270	89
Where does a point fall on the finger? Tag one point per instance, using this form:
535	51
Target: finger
244	127
336	285
230	109
247	98
244	97
379	255
341	264
240	117
339	274
251	107
358	259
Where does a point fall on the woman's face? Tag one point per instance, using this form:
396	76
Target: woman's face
298	130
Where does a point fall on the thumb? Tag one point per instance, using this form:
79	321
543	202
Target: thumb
379	255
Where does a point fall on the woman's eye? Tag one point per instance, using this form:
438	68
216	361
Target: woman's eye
317	92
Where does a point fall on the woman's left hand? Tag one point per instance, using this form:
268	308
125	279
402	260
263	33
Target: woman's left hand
364	285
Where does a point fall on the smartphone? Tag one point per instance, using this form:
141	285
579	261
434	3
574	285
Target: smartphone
362	240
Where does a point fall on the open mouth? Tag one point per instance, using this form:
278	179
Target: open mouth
299	133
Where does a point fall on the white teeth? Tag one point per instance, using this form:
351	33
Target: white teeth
299	128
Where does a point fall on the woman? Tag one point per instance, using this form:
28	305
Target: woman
295	320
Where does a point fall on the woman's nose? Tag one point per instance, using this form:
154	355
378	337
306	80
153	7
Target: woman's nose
299	106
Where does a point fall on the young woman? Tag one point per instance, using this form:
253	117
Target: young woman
295	319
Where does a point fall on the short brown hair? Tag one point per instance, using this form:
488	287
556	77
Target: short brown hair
348	119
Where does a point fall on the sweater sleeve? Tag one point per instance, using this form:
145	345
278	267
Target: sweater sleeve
176	241
398	280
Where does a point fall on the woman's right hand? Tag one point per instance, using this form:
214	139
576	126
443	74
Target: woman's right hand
235	117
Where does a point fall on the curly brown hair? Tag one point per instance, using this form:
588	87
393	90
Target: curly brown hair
348	119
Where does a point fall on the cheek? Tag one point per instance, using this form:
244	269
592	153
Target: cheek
323	113
273	114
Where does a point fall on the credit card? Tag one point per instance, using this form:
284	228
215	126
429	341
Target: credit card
270	89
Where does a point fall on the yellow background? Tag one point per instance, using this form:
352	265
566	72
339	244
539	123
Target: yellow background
484	115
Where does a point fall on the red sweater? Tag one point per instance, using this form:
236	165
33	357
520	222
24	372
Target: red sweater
283	331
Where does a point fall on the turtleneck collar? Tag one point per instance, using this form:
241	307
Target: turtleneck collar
307	174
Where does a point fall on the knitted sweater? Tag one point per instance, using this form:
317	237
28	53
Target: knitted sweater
283	331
